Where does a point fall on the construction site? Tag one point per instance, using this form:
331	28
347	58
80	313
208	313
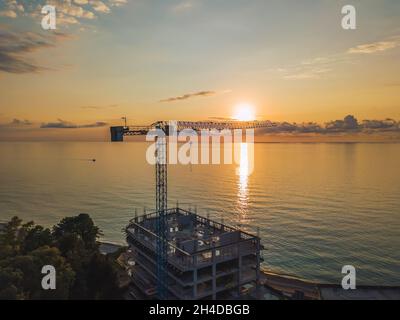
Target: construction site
205	259
178	254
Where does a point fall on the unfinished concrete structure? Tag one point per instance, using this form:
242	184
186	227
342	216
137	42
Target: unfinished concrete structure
206	259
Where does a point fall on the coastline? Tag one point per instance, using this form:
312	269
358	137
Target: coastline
280	286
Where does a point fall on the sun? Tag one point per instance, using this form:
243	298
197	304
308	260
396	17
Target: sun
244	112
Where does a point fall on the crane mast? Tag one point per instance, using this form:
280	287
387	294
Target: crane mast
161	209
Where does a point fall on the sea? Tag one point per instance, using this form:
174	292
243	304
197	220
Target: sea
316	206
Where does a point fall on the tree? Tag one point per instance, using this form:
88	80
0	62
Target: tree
9	239
18	237
71	248
82	226
10	281
36	237
24	273
65	276
102	278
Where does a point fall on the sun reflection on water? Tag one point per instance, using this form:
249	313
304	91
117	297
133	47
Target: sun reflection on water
243	192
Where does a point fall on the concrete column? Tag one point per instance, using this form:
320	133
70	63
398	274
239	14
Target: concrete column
239	273
195	284
214	276
195	277
258	264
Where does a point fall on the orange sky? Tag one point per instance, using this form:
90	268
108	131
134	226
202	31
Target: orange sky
192	60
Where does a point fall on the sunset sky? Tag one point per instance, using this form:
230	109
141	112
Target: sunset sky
194	60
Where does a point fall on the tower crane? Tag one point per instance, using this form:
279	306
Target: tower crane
161	166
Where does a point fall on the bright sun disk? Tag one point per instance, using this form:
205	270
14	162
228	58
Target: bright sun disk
244	112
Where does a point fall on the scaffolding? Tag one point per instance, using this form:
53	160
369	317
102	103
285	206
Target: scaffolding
205	259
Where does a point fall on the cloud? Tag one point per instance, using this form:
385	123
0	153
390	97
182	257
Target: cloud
76	12
12	64
99	107
16	123
117	3
15	46
348	125
286	127
380	125
309	73
61	124
220	118
315	68
303	71
99	6
190	95
183	6
8	14
69	12
374	47
318	67
64	19
94	125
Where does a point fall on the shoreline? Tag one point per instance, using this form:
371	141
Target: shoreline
293	287
277	285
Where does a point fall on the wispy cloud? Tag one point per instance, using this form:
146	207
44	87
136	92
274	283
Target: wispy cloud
220	118
62	124
374	47
190	95
99	107
315	68
14	48
306	73
319	67
183	6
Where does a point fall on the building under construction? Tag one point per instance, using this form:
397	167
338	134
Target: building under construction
178	254
206	259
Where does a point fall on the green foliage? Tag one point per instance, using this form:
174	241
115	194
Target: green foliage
81	226
10	281
71	247
37	237
102	279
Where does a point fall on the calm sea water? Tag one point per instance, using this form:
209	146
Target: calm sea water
317	206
